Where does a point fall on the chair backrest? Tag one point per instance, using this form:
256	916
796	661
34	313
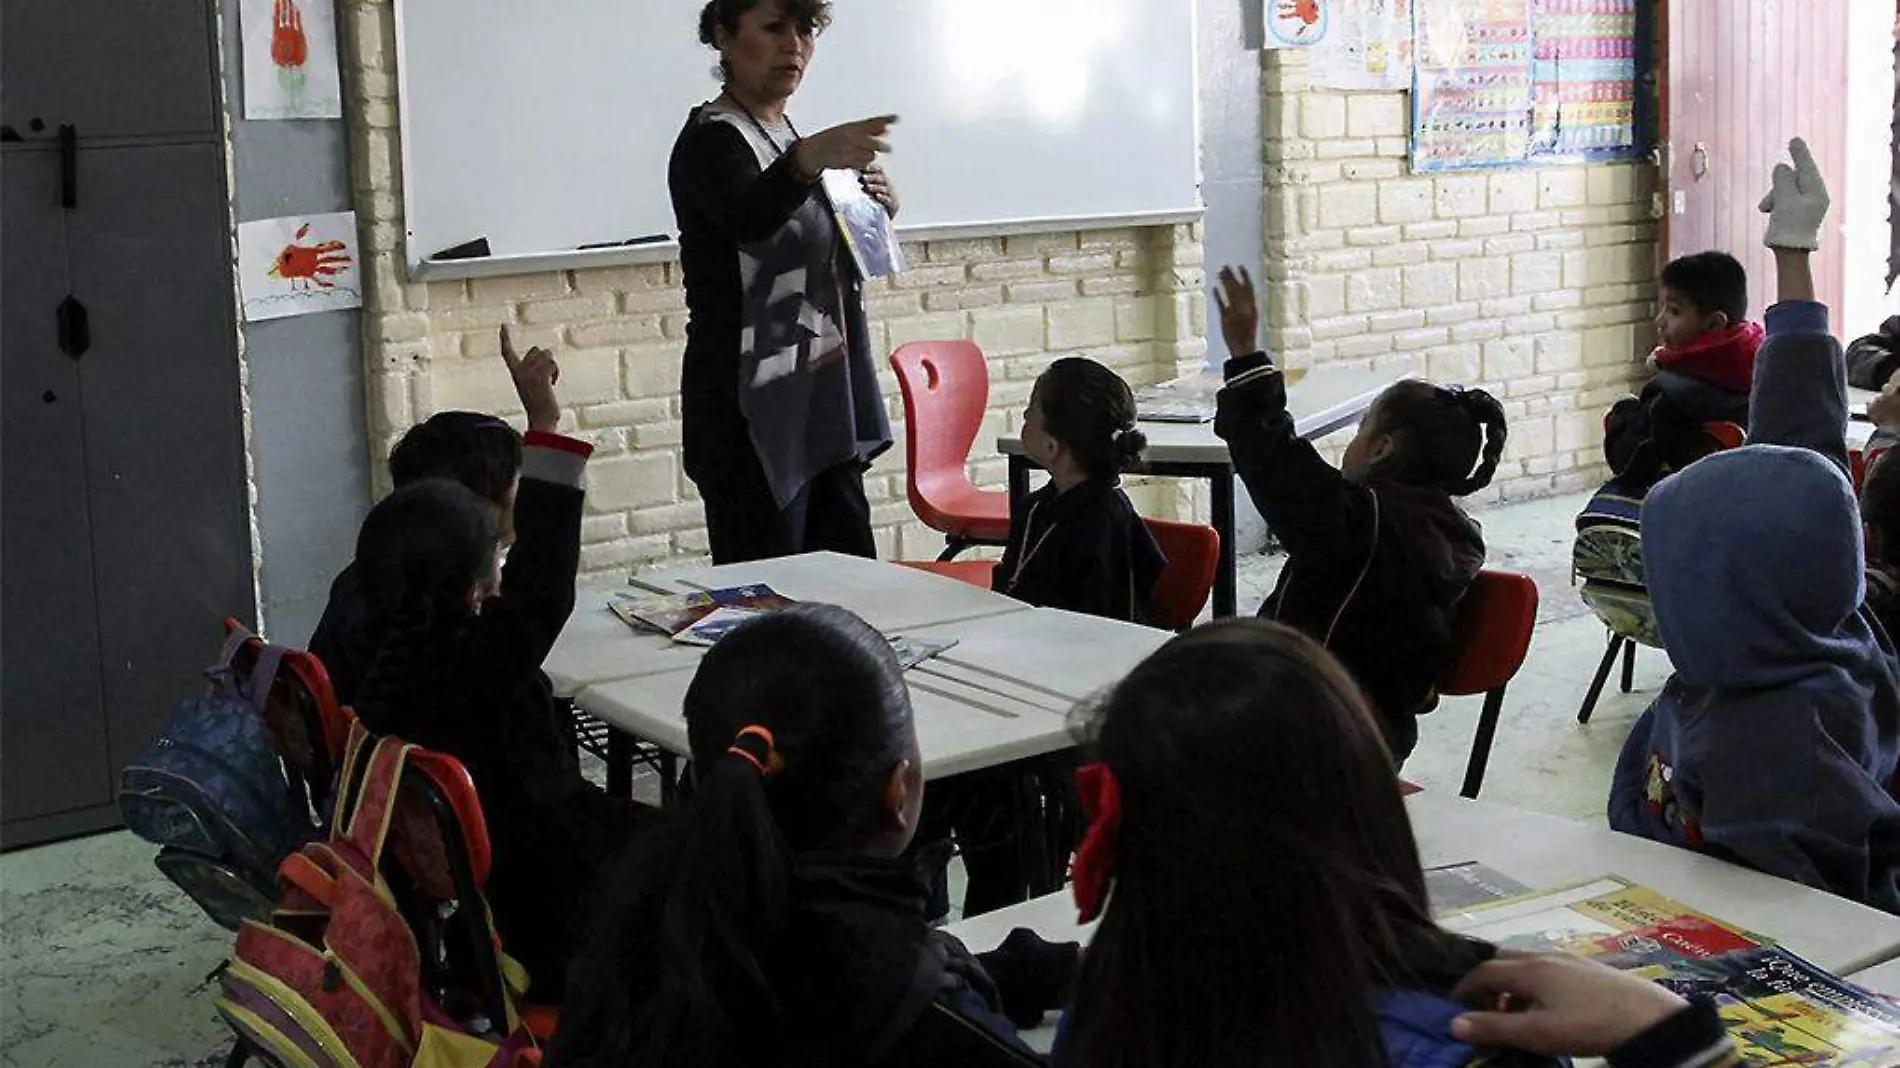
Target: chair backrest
946	386
439	853
1726	435
1493	633
1193	553
303	716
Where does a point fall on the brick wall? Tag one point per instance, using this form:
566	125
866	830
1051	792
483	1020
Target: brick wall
1130	298
1535	282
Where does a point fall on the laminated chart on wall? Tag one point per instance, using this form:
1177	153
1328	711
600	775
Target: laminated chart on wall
1368	46
1586	65
1471	96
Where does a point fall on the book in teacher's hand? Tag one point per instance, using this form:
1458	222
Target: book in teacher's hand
864	224
1777	1008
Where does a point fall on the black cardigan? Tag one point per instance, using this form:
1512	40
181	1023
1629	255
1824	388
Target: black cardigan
1375	570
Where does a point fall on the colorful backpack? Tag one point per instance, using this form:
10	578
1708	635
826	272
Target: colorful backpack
1608	559
335	979
212	794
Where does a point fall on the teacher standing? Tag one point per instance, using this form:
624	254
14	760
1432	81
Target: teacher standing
781	404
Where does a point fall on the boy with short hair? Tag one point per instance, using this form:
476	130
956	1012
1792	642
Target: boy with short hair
1704	362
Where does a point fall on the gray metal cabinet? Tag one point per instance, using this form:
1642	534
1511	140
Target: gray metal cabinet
126	534
110	68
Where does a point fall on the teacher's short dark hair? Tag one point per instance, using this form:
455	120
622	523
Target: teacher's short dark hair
812	15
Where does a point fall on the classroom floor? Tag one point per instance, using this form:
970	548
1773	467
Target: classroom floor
102	962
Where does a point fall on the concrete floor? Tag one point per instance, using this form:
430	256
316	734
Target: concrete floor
102	962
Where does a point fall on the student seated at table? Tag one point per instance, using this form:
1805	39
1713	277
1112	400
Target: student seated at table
1379	555
1704	362
1774	743
1261	898
1078	543
440	648
772	918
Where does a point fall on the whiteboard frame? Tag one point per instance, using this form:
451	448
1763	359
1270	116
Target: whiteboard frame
419	270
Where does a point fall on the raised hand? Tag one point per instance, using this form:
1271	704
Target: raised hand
878	185
1559	1005
850	146
1239	311
289	47
535	376
1797	203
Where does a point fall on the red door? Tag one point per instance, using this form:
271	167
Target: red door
1740	79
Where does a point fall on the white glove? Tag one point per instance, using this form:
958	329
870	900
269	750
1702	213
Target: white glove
1797	205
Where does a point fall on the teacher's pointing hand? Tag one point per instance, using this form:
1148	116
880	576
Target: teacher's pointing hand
850	146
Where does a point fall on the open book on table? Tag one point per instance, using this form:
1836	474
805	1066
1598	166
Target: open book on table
1778	1008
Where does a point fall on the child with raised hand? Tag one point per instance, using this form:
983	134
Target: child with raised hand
1379	554
452	661
1774	743
772	918
1261	898
1078	542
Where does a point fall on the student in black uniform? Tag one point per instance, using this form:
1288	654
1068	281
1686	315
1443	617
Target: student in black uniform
430	643
773	919
1078	542
1379	554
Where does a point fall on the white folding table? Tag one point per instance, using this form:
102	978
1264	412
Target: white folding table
1001	695
1322	401
1545	852
1881	979
1044	655
891	598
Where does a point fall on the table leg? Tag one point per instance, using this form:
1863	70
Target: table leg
1226	579
669	779
1018	481
619	763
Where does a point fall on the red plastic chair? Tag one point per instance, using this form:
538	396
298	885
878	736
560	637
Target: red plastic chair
1193	553
440	847
978	573
1492	636
946	386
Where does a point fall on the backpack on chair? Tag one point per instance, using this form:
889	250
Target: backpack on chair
212	792
1608	559
336	978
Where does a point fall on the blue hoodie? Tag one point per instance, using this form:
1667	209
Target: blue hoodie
1774	742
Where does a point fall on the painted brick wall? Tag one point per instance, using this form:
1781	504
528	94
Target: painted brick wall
1130	298
1535	282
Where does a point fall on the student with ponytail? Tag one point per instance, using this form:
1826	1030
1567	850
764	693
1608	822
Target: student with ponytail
772	918
1078	542
1379	553
443	648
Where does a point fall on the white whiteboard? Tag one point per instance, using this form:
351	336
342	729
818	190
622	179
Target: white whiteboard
545	126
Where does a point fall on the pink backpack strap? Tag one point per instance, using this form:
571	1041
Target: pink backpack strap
375	806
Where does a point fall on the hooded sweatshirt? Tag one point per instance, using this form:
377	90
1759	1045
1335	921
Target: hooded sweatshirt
1375	570
1773	743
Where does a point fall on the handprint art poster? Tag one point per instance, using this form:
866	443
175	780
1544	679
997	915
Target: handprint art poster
290	64
299	264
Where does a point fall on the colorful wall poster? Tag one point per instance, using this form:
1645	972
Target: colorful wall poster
1368	46
1298	23
1584	95
298	264
290	60
1471	97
